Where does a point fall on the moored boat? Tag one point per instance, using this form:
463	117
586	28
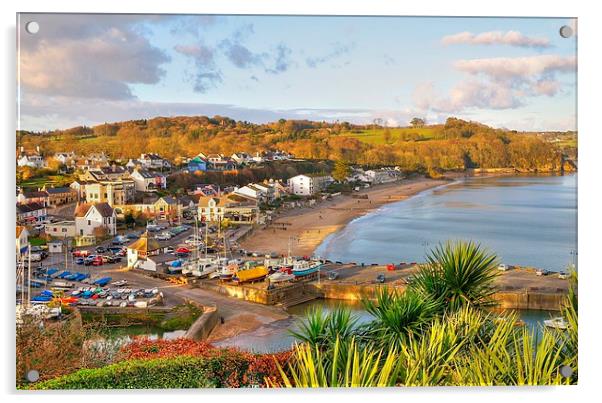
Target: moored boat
305	267
556	323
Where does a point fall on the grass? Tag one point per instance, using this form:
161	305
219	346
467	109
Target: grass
377	136
49	180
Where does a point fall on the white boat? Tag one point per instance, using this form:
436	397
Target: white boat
556	323
228	271
503	267
204	269
119	283
280	276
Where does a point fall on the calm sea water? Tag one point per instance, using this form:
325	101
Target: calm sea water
276	336
526	220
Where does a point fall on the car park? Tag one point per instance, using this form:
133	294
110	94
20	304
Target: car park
132	236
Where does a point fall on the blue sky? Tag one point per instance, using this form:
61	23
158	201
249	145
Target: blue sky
507	72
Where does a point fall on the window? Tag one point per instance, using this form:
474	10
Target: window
89	222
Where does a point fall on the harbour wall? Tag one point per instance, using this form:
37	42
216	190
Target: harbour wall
204	325
521	299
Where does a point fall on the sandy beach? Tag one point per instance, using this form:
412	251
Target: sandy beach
309	226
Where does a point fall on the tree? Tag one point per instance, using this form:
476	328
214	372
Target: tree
341	170
418	122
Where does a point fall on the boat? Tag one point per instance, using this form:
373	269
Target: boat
556	323
250	272
227	272
305	267
284	274
204	269
119	283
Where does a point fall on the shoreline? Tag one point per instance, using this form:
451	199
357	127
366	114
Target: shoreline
308	227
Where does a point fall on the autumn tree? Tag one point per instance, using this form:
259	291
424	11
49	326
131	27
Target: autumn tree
418	122
341	170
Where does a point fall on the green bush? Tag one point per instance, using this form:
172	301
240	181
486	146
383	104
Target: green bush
225	369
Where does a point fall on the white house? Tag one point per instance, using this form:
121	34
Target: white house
153	161
146	181
308	184
242	158
22	239
31	213
61	229
258	158
34	160
89	217
383	175
65	158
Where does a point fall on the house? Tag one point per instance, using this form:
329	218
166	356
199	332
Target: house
22	239
218	162
166	207
32	196
60	195
198	163
308	184
33	160
147	181
143	248
259	192
242	158
207	190
79	186
113	192
31	213
65	158
105	173
258	158
61	229
232	207
153	161
91	218
383	175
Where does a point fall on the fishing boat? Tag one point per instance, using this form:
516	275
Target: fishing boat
284	274
204	269
556	323
250	272
227	272
305	267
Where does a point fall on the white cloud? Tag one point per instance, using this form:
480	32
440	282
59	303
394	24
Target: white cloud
505	68
497	83
511	38
96	58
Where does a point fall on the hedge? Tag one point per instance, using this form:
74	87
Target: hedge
223	370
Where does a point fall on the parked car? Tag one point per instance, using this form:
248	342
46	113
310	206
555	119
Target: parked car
79	261
380	278
183	250
132	236
100	249
80	253
503	267
119	240
563	275
164	236
542	272
169	249
97	261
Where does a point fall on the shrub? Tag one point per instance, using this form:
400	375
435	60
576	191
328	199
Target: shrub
226	369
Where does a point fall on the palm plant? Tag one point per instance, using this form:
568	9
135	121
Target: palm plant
357	367
457	274
397	317
322	329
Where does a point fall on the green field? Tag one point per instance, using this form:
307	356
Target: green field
377	136
51	180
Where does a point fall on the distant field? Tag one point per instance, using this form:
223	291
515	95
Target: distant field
377	136
52	180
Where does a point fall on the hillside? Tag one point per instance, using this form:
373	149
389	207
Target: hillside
457	144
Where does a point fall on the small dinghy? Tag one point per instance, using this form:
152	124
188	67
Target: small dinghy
556	323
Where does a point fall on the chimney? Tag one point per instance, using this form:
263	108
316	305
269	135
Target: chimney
38	149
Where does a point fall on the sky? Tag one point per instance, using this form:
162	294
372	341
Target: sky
85	69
